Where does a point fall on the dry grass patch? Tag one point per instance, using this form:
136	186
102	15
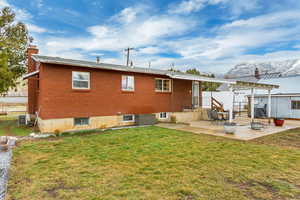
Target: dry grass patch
153	163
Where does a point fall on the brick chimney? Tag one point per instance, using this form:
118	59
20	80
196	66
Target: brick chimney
32	49
256	73
33	82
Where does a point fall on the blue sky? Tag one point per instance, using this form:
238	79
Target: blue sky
211	35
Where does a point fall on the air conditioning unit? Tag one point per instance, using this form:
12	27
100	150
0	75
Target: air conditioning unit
22	120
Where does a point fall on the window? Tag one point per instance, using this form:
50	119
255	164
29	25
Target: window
296	105
81	80
128	83
81	121
128	118
162	85
163	115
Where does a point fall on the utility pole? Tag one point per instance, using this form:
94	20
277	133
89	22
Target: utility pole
128	52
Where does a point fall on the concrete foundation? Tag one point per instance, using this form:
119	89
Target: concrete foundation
67	124
102	122
185	117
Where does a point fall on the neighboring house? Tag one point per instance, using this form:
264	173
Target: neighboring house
17	95
283	105
15	100
285	100
67	94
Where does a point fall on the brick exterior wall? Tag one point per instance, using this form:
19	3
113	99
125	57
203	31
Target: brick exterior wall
105	98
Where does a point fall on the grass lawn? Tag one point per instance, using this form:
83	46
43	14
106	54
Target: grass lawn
155	163
9	126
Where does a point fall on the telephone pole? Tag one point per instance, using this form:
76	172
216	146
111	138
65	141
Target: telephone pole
128	52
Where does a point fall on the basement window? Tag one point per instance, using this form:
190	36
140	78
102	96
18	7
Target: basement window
162	85
128	83
163	115
81	80
296	105
81	121
128	118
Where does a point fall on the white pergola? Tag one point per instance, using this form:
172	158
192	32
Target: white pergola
243	85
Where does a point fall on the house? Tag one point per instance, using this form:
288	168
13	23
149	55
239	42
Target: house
66	94
285	105
15	100
284	100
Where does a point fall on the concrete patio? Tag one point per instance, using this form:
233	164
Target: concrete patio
243	130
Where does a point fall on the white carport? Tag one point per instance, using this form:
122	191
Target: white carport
243	85
234	85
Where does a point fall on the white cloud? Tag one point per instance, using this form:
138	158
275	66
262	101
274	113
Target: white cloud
37	3
127	15
296	46
188	6
138	33
266	21
164	33
151	50
236	7
24	16
3	3
241	35
35	29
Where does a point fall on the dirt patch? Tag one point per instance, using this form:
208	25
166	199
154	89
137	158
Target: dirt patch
53	191
289	139
7	130
250	188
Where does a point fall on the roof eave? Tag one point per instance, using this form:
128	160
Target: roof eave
26	76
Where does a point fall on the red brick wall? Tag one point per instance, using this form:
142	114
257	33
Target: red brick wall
58	99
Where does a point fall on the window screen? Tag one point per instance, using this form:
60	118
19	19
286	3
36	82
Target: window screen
81	80
163	85
163	115
128	83
128	118
81	121
296	105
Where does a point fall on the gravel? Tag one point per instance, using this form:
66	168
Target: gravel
5	158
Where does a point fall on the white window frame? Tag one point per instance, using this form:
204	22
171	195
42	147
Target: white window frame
133	118
127	89
162	88
89	80
82	124
160	117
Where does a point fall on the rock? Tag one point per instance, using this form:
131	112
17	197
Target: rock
32	134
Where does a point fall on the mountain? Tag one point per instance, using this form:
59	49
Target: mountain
286	68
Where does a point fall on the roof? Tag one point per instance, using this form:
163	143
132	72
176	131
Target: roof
249	79
287	84
278	95
246	85
123	68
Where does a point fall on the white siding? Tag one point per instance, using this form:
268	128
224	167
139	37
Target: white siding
281	106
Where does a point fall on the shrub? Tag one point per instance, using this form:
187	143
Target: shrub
57	132
173	119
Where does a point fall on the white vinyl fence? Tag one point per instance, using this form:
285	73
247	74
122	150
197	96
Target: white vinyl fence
239	100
